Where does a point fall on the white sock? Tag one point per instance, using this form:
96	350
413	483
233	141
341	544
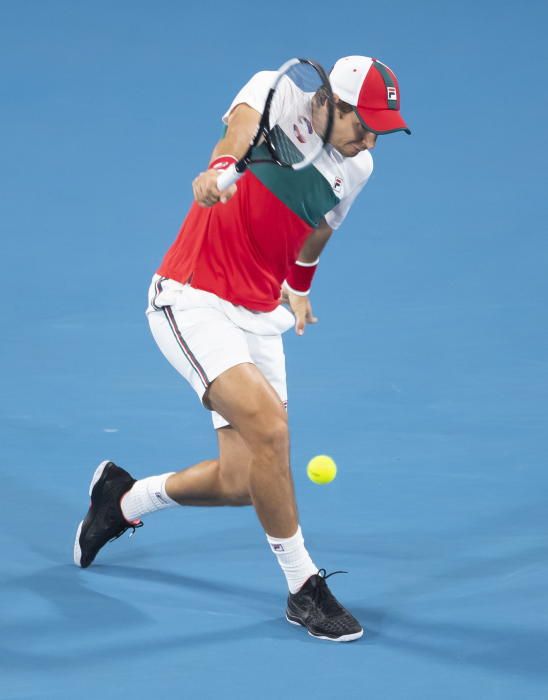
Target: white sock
146	496
294	559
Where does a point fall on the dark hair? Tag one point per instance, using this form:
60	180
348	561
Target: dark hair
344	107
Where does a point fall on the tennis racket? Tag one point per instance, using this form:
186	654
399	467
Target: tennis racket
296	122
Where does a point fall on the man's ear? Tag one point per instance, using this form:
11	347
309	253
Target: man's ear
336	100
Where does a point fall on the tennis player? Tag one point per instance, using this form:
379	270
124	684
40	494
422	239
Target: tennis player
215	312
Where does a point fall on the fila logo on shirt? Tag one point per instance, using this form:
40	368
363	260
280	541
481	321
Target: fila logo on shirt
337	185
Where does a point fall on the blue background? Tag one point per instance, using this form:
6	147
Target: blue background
426	377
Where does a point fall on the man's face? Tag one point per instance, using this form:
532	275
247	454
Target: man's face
349	136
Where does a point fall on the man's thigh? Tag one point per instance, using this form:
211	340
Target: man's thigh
200	344
268	356
251	405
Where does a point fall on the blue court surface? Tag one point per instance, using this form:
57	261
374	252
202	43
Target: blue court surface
426	378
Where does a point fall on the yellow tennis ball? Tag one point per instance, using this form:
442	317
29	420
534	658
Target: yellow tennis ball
321	469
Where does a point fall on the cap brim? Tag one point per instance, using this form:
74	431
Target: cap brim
382	121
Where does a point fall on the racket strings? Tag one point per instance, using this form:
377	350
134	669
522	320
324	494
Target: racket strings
299	114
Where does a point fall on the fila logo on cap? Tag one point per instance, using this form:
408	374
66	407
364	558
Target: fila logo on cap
391	94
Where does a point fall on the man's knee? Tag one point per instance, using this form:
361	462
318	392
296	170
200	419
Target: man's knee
268	430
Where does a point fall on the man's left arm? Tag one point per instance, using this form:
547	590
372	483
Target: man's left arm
299	279
297	294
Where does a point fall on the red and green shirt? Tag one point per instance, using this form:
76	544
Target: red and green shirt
241	251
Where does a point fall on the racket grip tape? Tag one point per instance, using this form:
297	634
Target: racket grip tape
228	177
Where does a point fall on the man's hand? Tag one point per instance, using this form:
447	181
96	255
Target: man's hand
205	189
243	122
301	307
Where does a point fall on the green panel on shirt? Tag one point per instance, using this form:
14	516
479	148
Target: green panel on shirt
306	192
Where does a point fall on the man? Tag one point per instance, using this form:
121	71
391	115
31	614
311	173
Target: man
214	310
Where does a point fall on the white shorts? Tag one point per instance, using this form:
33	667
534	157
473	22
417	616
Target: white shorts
203	335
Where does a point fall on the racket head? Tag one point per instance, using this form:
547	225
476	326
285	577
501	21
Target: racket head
296	122
298	116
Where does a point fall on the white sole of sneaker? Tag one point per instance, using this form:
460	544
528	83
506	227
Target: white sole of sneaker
77	552
344	638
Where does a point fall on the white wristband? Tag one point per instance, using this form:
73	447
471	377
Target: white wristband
294	291
305	264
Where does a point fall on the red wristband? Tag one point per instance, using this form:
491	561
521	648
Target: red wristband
299	277
222	162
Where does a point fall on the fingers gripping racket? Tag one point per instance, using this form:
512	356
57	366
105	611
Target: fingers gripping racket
295	124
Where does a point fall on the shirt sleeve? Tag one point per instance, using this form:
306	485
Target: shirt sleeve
253	93
337	215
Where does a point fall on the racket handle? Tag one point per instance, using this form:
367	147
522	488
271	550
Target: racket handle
228	177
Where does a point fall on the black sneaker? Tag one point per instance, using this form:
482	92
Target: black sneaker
104	521
317	609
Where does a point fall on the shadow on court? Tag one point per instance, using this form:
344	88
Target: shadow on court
508	650
86	623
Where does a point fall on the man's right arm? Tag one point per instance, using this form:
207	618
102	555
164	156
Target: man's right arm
243	123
